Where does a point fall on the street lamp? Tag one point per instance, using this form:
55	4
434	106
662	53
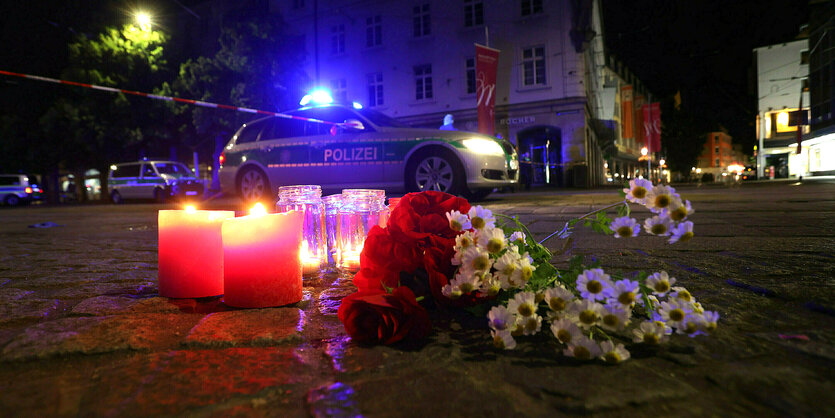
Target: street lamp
645	152
143	19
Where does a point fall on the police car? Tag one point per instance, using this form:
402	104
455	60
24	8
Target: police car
15	189
158	180
361	148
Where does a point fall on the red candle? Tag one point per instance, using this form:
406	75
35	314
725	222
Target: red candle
191	252
261	261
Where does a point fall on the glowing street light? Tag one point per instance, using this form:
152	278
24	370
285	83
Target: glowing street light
143	19
644	151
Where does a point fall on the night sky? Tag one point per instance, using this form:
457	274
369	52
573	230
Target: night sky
701	48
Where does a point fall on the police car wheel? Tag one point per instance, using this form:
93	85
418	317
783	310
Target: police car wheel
12	200
116	198
436	169
253	185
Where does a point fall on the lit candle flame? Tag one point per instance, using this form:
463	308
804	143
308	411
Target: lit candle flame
190	209
258	210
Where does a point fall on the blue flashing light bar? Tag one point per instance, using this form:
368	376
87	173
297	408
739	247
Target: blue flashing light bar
317	97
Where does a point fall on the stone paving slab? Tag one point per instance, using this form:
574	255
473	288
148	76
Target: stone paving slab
84	332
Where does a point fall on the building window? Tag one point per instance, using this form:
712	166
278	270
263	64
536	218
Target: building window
717	163
533	66
423	82
470	69
531	7
373	31
339	90
298	4
716	150
473	13
420	20
338	39
375	89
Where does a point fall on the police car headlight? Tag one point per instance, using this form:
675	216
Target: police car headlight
483	146
514	164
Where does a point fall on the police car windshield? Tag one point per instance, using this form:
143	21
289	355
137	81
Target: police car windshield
172	169
339	114
380	119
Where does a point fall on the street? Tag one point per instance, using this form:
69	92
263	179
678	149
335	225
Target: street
84	332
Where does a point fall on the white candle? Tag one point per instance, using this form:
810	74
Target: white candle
191	252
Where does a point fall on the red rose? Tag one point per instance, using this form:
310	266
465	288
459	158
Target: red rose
374	317
383	258
419	215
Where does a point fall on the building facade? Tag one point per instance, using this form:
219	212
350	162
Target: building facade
717	155
819	145
415	61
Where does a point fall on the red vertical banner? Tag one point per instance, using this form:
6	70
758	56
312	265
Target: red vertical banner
655	110
647	126
486	67
627	117
640	138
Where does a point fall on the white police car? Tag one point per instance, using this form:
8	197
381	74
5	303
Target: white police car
15	189
158	180
367	150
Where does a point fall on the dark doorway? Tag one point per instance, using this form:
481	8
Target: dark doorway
540	156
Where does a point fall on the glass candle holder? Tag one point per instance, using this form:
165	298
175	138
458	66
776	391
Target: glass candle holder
332	205
361	209
308	200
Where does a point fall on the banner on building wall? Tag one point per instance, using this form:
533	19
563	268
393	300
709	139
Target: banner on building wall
652	126
640	138
486	67
627	117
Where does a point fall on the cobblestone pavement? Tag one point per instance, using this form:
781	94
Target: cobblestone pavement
83	331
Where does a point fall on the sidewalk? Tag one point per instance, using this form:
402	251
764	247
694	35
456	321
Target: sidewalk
83	331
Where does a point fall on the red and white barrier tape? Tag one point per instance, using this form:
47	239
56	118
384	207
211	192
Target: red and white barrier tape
166	98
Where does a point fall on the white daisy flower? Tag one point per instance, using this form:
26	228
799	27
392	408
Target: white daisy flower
682	232
698	308
458	221
501	319
674	312
711	320
558	298
613	354
650	332
462	243
682	295
660	283
490	285
692	325
476	260
586	313
503	340
615	318
625	227
530	324
466	281
658	225
518	238
593	284
565	331
523	304
481	218
679	211
508	269
583	348
623	292
660	198
451	292
638	190
492	239
526	268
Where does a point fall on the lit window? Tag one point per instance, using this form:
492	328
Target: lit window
473	13
531	7
470	70
375	89
338	39
373	31
420	19
423	82
339	90
533	66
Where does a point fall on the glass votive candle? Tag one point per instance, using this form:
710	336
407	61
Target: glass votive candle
361	210
332	205
308	200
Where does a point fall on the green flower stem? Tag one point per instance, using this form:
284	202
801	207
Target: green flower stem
569	223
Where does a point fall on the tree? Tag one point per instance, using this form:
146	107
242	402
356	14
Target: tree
257	65
683	136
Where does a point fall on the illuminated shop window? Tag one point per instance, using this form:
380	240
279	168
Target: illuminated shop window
421	20
533	66
470	73
375	89
473	13
423	82
373	31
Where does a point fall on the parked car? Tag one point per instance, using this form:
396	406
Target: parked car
367	150
15	189
158	180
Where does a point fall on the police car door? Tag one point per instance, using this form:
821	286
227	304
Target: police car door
149	181
348	157
285	147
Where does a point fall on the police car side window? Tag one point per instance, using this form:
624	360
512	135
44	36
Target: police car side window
148	171
283	128
131	170
9	181
250	132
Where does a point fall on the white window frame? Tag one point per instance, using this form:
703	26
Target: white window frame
338	39
474	11
535	7
339	88
530	63
375	89
423	83
373	31
469	75
421	20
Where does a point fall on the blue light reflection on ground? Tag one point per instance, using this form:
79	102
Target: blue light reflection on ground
335	400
